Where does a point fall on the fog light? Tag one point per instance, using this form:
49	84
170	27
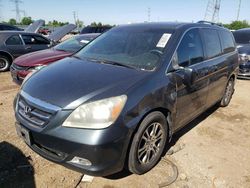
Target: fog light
80	161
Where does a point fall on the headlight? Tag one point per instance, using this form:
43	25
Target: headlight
36	68
96	115
243	58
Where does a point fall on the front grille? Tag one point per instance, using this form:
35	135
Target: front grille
17	67
33	115
244	70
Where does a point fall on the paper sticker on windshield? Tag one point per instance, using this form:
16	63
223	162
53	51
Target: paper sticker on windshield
163	40
84	41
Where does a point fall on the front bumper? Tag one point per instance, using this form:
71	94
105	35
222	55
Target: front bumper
105	148
244	70
244	75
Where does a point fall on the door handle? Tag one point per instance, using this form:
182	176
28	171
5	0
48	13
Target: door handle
28	48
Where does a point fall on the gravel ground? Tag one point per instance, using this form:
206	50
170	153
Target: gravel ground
212	151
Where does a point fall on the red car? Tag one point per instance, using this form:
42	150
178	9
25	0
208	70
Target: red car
27	63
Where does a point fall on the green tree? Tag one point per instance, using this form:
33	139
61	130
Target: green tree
235	25
12	21
55	23
26	21
94	24
79	23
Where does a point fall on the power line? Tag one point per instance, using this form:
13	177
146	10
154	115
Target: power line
149	14
17	9
238	12
212	11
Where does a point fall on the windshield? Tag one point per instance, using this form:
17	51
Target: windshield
242	37
138	49
73	44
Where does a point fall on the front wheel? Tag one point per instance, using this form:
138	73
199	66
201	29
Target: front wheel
4	63
228	93
148	143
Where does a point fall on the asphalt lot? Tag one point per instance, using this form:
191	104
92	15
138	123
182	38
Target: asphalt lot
212	151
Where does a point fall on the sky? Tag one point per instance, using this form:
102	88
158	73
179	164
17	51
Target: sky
123	11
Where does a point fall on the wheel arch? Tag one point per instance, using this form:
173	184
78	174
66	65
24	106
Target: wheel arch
7	54
166	112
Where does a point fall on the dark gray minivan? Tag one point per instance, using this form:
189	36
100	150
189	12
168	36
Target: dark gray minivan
117	102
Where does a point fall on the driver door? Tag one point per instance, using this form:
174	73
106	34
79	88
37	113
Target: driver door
191	94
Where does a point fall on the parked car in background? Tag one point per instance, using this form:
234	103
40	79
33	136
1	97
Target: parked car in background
7	27
25	64
242	38
44	31
95	29
119	100
16	43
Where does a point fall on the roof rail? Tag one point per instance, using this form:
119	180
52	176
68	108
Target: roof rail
211	23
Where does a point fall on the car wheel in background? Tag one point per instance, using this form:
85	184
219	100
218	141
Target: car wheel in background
148	143
4	63
228	93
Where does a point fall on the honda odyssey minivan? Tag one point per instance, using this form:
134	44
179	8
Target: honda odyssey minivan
117	102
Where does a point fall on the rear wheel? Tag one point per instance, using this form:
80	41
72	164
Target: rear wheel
228	93
4	63
148	143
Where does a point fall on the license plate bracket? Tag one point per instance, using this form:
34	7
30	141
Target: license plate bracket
23	133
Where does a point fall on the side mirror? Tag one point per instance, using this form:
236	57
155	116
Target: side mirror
51	44
188	75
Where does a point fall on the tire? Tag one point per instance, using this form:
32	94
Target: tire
4	63
150	143
228	93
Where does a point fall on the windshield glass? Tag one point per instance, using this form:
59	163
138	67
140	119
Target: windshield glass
138	49
73	44
242	37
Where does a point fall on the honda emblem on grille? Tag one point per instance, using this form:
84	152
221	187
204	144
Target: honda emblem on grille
27	110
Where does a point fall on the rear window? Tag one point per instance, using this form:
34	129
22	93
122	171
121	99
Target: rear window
227	41
13	40
212	42
242	37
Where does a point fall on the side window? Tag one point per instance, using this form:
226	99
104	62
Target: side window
227	41
14	40
212	42
190	50
34	40
41	40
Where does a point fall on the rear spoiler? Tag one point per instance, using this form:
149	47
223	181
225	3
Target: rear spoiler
34	27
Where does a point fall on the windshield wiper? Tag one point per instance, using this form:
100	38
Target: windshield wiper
117	63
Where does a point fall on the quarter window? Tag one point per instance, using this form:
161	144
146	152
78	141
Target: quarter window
227	41
212	43
190	50
14	40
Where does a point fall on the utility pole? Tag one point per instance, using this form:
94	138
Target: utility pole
74	15
238	12
149	14
75	18
212	11
17	9
1	18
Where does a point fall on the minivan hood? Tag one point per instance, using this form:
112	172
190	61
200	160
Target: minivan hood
66	81
41	57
